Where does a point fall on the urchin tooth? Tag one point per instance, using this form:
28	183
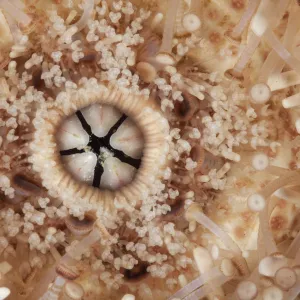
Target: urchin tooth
116	174
129	139
101	118
81	165
71	134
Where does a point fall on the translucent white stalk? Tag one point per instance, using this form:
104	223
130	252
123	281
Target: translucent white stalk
266	243
291	177
88	7
273	63
284	80
198	282
56	255
275	43
291	31
272	204
254	276
207	289
289	195
245	19
294	247
16	13
157	19
168	33
47	277
204	262
86	242
165	56
293	293
98	232
261	245
291	101
277	171
296	261
215	229
247	53
18	3
43	284
270	245
264	18
195	6
55	290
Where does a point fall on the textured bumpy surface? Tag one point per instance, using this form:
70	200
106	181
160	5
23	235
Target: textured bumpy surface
149	149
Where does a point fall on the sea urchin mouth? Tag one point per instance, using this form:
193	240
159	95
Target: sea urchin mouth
106	146
46	158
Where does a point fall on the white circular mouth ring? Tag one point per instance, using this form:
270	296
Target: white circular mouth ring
46	159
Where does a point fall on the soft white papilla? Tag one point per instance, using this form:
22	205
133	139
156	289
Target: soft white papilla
128	297
4	293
